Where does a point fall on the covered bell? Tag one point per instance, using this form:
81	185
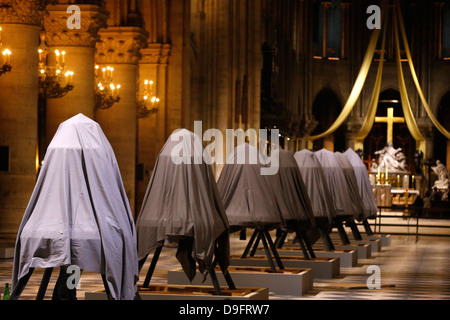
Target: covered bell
353	187
337	185
364	186
79	213
316	185
248	198
182	204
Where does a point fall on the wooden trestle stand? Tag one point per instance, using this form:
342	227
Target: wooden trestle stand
212	272
18	289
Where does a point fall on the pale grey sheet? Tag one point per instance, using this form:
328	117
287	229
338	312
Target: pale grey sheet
316	184
353	187
248	199
337	184
182	202
364	186
289	188
79	213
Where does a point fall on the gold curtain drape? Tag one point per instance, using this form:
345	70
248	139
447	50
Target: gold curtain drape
373	106
362	76
415	78
407	112
359	83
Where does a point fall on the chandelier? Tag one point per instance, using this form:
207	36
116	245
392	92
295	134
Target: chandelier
6	67
106	92
148	105
54	81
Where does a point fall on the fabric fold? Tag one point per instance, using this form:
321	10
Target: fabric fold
79	213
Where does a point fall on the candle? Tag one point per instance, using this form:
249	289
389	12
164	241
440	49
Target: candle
398	181
0	34
413	185
387	175
118	87
104	76
57	58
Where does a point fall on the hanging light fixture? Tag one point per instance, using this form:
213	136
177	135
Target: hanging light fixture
148	103
106	92
54	81
6	67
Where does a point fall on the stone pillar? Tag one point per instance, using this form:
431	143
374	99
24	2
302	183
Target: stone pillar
119	48
151	130
18	113
79	45
448	155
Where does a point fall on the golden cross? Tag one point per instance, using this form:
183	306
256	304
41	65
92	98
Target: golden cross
390	120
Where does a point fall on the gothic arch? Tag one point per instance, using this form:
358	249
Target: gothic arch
326	108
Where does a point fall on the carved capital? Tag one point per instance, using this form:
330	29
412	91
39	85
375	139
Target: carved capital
155	53
21	11
307	126
354	126
120	45
58	34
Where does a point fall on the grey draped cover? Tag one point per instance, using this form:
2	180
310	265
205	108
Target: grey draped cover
337	184
290	189
364	186
182	204
350	177
79	213
316	184
248	199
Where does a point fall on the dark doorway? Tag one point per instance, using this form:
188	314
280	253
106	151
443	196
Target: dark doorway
326	109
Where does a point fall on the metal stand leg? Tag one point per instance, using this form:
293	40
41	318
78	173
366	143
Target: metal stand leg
243	234
355	230
256	244
279	242
215	282
105	284
249	245
18	289
327	240
142	262
342	234
152	267
367	227
309	247
274	249
269	256
225	272
302	244
44	284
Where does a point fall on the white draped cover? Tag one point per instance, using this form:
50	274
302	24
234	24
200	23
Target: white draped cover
79	213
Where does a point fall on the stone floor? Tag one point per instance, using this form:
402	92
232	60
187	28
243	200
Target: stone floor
410	270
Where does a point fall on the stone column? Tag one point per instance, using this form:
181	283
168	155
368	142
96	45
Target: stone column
18	113
119	48
79	45
151	130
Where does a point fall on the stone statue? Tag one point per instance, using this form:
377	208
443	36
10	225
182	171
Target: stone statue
442	173
418	159
392	158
